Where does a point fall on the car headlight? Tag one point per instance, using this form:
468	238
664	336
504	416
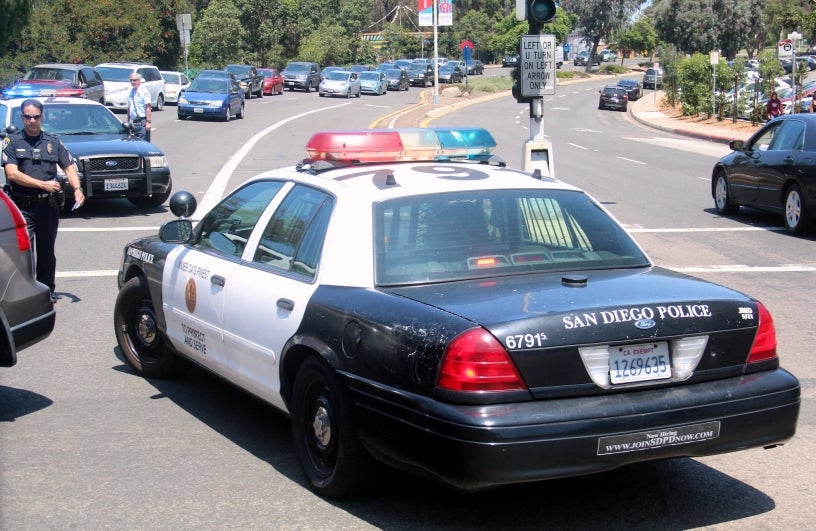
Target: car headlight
182	100
158	161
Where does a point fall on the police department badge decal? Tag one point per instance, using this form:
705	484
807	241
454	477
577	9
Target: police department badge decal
49	148
190	295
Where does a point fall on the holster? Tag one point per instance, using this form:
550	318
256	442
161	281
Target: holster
56	199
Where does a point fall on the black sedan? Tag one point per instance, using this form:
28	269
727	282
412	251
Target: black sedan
613	97
397	79
482	327
510	60
774	171
633	88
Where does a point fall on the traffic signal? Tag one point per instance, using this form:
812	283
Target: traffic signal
536	13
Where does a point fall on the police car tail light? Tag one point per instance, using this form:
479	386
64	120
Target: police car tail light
764	347
20	229
394	145
476	361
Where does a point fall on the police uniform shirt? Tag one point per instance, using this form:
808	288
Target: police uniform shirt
138	100
36	156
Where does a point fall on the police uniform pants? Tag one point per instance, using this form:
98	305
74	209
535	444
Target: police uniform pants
140	129
43	222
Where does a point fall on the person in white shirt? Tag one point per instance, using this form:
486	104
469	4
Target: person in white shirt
139	107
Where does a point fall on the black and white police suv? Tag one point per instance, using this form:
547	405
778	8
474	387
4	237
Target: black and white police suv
409	300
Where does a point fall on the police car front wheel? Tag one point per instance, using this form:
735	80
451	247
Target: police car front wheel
138	335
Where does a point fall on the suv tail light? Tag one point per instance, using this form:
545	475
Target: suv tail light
764	347
475	361
20	228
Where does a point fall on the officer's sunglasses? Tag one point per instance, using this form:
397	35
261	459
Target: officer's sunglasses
31	116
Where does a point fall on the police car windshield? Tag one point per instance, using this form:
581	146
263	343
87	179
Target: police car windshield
73	119
462	236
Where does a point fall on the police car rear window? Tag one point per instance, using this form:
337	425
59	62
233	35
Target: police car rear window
462	236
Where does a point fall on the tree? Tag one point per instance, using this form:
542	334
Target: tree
327	45
218	35
640	37
705	25
599	19
15	18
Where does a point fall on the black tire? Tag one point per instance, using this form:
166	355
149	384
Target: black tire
242	111
153	201
308	87
260	92
160	102
797	220
228	116
722	196
136	327
332	457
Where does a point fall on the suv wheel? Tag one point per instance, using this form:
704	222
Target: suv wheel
160	102
308	86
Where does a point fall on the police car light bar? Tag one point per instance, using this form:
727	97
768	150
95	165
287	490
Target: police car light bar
394	145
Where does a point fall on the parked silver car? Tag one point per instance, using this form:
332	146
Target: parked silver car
26	309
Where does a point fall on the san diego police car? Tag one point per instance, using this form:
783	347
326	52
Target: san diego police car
408	300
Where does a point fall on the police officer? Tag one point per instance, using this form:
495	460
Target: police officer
30	158
139	107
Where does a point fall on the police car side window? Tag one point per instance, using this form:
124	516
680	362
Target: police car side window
227	227
293	239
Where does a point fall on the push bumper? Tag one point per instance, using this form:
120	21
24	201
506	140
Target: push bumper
475	447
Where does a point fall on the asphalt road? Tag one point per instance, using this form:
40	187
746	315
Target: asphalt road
85	444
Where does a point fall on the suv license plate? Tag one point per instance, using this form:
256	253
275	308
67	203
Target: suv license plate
116	185
639	363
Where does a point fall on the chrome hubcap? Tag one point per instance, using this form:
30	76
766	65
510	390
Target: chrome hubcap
146	328
322	426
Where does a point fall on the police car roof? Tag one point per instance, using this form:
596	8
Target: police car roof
374	165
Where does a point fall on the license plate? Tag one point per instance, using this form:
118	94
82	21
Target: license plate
116	185
639	363
198	109
290	82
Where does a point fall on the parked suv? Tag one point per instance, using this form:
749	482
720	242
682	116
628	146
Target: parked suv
301	75
111	161
653	78
116	77
26	310
249	78
58	79
608	56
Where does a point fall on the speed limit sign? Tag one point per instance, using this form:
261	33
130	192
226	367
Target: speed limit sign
785	49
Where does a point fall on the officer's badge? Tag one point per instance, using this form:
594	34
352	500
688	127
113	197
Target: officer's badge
49	148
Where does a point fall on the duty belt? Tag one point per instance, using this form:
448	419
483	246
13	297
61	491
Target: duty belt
24	200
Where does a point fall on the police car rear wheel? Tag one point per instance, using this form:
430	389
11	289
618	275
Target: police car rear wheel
331	456
137	332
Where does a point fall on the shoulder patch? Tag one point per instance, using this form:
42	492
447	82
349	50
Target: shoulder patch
6	142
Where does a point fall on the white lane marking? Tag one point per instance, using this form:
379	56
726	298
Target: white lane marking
632	160
216	190
746	269
577	146
108	229
87	274
638	229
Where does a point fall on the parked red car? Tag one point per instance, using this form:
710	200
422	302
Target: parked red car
273	81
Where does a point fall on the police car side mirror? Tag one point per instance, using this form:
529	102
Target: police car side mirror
176	231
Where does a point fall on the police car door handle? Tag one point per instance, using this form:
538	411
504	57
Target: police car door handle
286	304
218	280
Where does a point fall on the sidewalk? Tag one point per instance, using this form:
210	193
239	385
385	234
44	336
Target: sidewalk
643	110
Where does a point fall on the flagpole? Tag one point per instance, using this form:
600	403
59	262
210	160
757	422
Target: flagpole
435	54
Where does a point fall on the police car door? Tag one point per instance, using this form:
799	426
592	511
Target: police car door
266	302
196	275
